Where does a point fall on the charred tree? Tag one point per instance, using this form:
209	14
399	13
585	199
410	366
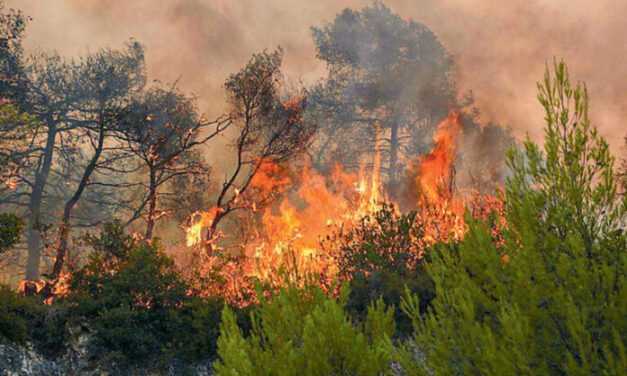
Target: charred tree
271	129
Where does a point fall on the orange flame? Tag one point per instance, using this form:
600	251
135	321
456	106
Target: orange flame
286	242
435	171
200	221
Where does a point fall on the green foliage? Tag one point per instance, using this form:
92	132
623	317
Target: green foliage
136	302
382	241
10	230
25	319
389	287
380	259
16	128
552	299
302	331
13	326
112	244
12	25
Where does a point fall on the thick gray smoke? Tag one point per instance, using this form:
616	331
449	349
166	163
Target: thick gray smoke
501	47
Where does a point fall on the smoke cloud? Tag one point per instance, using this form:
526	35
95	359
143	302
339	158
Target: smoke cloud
501	47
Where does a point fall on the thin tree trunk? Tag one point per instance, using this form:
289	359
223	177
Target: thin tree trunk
394	151
64	228
152	205
34	222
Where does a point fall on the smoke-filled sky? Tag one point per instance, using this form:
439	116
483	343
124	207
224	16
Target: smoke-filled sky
500	46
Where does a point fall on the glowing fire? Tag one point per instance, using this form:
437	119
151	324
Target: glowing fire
441	213
291	233
286	242
200	221
435	172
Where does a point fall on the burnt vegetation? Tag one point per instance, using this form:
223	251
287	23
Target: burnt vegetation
366	224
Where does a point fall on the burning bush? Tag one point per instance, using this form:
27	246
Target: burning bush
349	210
380	258
381	241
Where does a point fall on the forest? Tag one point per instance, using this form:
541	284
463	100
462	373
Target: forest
369	223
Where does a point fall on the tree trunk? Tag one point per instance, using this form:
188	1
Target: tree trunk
34	246
394	151
64	228
36	197
152	205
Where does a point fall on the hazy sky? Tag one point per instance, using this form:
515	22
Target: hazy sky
500	46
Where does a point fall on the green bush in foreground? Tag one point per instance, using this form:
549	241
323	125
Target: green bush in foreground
302	331
551	300
10	229
27	319
135	300
380	258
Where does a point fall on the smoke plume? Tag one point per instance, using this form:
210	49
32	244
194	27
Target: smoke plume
501	47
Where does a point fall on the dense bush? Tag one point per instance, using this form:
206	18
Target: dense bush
27	319
551	299
10	229
134	299
13	325
380	257
303	331
389	287
381	241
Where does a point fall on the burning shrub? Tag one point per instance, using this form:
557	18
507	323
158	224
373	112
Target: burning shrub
551	298
305	331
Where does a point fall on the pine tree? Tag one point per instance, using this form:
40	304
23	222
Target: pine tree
305	332
552	299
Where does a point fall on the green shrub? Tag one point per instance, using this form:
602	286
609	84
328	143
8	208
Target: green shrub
551	300
389	287
133	297
10	229
13	326
25	319
379	258
302	331
383	241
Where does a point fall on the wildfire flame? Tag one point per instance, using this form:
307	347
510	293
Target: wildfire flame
200	221
287	237
435	172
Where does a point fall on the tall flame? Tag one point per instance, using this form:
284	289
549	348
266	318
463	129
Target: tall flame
286	242
435	171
